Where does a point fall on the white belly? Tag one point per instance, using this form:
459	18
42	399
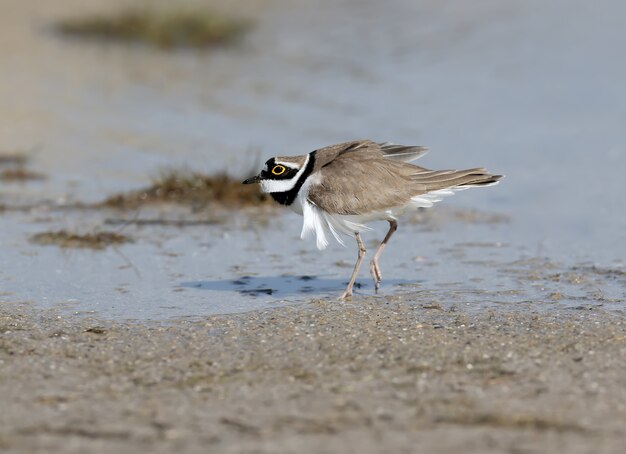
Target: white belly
321	222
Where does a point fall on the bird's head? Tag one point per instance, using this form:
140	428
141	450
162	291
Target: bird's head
279	174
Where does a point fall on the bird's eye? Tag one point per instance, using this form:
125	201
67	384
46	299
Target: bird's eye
278	170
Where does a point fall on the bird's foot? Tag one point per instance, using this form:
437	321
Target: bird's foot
346	296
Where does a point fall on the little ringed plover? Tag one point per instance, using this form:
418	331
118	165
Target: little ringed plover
339	188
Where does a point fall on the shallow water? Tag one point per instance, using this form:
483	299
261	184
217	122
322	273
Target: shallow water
531	90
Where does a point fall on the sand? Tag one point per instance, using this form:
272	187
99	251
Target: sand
371	375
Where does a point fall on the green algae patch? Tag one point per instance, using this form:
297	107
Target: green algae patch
191	189
13	168
66	239
13	158
164	29
20	175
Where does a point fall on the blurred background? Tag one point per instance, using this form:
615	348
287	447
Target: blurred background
535	90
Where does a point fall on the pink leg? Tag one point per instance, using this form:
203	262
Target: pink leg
347	294
374	269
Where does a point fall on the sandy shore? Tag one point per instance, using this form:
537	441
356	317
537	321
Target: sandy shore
367	376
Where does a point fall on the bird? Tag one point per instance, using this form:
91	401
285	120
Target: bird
339	188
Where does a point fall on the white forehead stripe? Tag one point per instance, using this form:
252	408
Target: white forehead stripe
289	164
284	185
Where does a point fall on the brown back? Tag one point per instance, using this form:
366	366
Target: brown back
358	177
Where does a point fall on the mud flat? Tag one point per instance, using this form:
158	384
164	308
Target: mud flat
398	374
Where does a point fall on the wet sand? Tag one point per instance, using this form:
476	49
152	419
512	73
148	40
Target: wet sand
396	375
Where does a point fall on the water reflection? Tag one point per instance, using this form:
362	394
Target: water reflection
286	286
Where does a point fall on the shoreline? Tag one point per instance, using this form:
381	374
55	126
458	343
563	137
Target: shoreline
324	377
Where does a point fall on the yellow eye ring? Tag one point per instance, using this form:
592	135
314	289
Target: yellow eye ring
278	170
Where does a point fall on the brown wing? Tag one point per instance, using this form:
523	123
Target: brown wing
433	180
360	183
352	185
367	149
404	153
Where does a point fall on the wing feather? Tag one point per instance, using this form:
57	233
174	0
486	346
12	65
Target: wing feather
404	153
